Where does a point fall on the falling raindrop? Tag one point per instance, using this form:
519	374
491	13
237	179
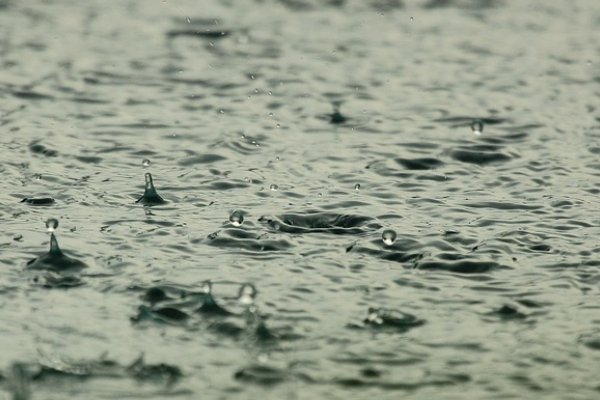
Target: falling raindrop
37	177
51	224
357	187
236	218
189	21
145	162
274	187
477	126
389	237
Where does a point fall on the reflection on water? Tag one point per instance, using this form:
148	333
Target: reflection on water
357	199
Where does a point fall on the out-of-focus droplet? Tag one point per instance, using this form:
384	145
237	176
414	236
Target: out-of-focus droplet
145	162
189	21
207	287
389	237
51	224
477	126
37	177
357	187
274	187
411	18
236	218
247	294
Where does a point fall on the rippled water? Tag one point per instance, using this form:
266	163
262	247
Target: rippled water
288	139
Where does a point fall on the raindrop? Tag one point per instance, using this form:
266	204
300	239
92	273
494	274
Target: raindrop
247	294
51	224
274	187
236	218
477	126
270	114
189	21
389	237
145	162
357	187
37	177
411	18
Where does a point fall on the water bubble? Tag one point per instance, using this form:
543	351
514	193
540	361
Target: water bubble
477	126
274	187
236	218
51	224
389	237
145	162
357	187
247	294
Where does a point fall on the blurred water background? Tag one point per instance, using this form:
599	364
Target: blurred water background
412	186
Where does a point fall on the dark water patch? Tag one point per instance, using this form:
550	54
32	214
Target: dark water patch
37	148
200	159
419	163
457	122
206	33
460	266
89	159
318	222
42	201
262	375
503	206
168	315
480	155
31	95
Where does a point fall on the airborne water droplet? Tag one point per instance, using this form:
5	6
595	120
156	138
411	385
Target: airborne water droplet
207	287
37	177
247	294
357	187
389	237
51	224
477	126
236	218
145	162
274	187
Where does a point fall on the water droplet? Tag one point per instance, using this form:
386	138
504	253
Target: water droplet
411	18
247	294
357	187
277	158
236	218
270	92
51	224
189	21
389	237
207	287
274	187
477	126
37	177
255	90
270	114
145	162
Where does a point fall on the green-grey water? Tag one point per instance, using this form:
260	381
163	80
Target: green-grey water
410	187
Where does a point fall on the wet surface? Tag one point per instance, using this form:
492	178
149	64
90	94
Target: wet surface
411	188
